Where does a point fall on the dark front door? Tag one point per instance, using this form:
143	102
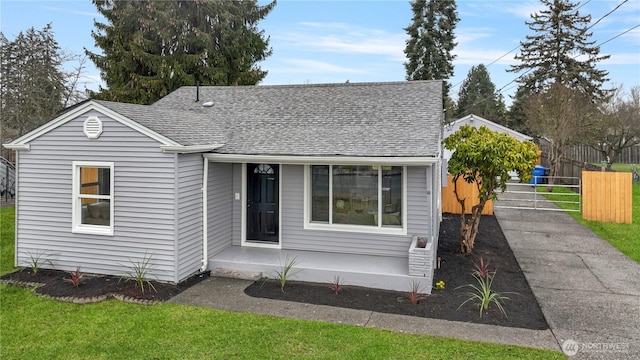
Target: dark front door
262	202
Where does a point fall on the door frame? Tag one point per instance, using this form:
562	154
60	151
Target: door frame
243	230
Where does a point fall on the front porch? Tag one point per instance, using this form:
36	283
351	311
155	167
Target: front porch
382	272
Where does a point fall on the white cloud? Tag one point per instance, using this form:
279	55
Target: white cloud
476	56
481	9
623	59
340	38
521	9
467	35
74	12
303	66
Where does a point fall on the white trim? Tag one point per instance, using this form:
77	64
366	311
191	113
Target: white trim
379	229
205	216
323	160
280	177
243	216
356	228
488	123
80	110
405	205
16	197
243	204
76	204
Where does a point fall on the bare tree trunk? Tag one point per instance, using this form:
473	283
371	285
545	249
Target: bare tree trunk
468	229
554	160
462	203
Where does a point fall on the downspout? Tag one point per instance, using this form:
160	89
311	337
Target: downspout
205	237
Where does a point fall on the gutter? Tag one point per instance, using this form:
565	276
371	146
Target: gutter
205	237
189	149
322	160
17	147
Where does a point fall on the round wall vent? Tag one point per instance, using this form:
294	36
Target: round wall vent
93	127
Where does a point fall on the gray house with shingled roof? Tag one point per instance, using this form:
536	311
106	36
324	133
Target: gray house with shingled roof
340	176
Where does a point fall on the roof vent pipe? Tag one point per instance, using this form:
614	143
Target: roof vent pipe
197	90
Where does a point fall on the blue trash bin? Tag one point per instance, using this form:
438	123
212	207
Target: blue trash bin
538	170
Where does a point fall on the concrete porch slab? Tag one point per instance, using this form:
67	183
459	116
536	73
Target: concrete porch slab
383	272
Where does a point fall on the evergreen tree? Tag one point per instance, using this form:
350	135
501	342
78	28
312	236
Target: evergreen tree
501	111
151	48
560	51
34	86
516	118
431	41
478	95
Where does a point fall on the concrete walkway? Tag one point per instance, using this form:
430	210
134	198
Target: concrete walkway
588	291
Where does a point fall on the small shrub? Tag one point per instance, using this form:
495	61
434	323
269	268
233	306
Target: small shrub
481	268
336	285
39	258
77	277
482	294
415	292
139	273
285	271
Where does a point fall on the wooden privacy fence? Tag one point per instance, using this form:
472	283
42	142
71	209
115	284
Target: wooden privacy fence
470	191
606	196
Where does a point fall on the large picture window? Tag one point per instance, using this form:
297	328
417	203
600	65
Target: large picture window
356	195
93	198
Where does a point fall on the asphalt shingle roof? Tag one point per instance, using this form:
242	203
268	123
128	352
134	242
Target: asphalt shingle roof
359	119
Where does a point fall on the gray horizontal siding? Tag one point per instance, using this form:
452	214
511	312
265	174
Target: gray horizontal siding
189	212
219	207
419	191
144	200
294	236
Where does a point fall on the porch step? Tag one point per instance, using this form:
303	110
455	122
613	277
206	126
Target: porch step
236	274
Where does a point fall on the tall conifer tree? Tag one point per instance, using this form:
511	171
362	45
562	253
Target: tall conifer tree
34	85
431	41
478	95
561	87
151	48
560	51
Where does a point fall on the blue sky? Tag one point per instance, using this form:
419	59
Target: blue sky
363	41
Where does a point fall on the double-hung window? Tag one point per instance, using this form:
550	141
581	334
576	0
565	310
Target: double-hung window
356	197
93	206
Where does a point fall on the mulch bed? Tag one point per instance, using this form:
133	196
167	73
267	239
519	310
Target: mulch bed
522	309
51	283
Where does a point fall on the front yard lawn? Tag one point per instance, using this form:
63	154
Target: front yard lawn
40	328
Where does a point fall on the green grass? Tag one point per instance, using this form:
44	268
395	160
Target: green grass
7	244
563	197
40	328
618	166
623	237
